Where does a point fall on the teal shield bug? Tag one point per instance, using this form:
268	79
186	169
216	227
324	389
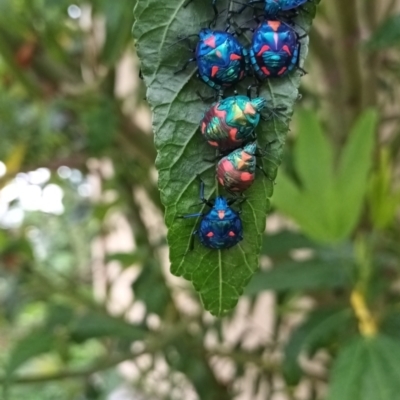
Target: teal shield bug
230	122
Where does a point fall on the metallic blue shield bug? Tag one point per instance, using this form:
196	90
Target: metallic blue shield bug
221	60
275	50
220	227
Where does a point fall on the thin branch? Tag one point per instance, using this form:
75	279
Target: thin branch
101	365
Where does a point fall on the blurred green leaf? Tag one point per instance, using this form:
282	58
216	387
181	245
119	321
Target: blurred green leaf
327	205
96	325
283	242
292	275
119	20
218	276
352	176
367	369
387	35
383	200
100	119
319	330
155	300
391	324
126	259
36	343
313	156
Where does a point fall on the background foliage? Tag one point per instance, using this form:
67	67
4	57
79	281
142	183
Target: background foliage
89	309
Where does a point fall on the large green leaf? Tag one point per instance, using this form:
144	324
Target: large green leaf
292	275
218	276
319	330
367	369
328	203
352	175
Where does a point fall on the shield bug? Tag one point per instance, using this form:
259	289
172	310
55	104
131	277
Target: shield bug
230	122
275	50
236	171
221	60
220	227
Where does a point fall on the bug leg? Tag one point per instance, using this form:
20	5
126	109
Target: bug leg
250	87
205	99
211	160
302	71
268	147
202	198
185	65
183	39
216	14
277	113
265	174
191	215
251	3
191	243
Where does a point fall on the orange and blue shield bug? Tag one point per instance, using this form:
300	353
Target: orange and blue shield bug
236	172
230	122
221	60
220	227
275	50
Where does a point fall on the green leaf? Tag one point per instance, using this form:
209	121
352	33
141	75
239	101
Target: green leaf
354	166
327	205
218	276
319	330
292	275
95	325
313	155
155	300
126	259
367	369
387	35
119	17
383	200
33	345
283	242
100	119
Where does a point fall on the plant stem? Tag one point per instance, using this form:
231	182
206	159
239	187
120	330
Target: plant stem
101	365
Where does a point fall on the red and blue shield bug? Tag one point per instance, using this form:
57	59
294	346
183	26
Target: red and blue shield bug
230	122
221	60
275	50
220	227
236	172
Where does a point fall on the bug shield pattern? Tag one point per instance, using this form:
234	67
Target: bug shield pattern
230	122
236	171
275	50
221	227
221	60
